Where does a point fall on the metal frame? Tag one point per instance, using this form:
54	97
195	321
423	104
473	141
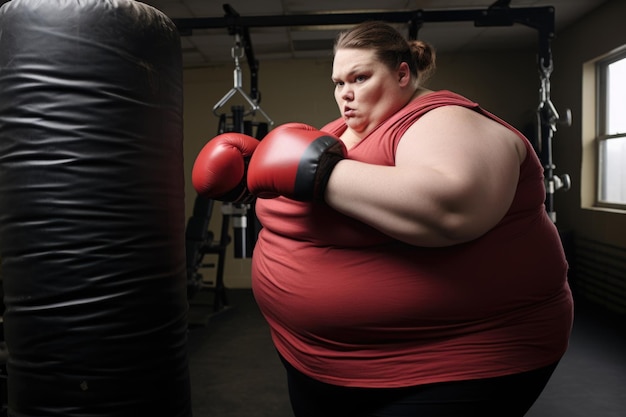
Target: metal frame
498	14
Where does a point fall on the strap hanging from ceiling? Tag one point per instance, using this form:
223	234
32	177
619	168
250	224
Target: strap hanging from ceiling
547	120
237	53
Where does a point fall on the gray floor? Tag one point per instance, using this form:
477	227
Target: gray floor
235	371
591	379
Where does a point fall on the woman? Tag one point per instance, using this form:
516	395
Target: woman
429	280
440	289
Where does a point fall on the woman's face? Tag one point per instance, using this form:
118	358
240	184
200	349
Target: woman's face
367	92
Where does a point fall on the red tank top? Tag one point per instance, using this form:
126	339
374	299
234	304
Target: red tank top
348	305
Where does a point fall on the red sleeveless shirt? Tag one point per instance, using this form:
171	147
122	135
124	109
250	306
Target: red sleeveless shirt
350	306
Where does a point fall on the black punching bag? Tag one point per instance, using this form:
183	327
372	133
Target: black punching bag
92	209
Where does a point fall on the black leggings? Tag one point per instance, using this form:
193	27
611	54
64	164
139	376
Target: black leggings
507	396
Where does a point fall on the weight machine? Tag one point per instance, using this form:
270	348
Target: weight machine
244	230
245	226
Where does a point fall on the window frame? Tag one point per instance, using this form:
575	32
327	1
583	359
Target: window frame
601	135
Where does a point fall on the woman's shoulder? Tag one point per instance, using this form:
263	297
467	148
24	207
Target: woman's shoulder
439	98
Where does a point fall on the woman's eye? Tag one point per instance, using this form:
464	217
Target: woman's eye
360	78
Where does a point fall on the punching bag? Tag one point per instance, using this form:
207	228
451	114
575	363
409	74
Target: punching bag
92	209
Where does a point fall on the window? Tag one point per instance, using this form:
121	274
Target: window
611	134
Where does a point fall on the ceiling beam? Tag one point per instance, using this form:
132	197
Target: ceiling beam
535	17
499	14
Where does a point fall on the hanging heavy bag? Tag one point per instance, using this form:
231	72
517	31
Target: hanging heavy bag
92	209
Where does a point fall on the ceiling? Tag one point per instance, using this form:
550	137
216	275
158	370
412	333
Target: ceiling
270	38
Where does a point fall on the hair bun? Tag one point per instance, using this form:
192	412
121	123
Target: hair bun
425	57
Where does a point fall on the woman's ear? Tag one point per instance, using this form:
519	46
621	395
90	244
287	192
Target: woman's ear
404	74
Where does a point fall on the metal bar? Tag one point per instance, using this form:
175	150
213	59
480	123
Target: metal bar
536	17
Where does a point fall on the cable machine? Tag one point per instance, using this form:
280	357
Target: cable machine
199	240
245	225
547	120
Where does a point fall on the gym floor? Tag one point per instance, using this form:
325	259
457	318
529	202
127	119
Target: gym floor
235	371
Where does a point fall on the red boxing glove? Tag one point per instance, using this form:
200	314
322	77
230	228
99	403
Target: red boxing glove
294	160
219	171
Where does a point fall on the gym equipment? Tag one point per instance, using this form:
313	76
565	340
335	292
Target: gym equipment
245	223
242	44
237	53
199	242
92	209
547	120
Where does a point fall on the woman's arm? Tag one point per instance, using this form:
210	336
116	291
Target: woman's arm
455	177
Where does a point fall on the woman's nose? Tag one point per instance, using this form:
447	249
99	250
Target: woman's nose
347	93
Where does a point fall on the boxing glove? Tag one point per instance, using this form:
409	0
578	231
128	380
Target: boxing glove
294	160
219	171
